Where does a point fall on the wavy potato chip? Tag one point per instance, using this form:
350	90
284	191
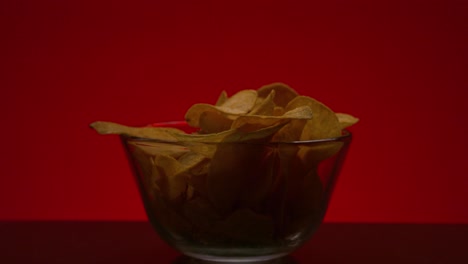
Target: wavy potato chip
290	132
199	182
260	121
246	133
172	179
240	103
205	138
323	124
145	167
216	118
264	106
346	120
190	160
192	117
283	93
159	148
158	133
222	98
213	122
278	110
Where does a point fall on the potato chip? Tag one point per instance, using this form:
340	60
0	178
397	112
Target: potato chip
192	117
213	122
191	162
189	193
205	138
206	149
323	124
173	182
215	118
158	133
240	134
240	103
245	133
145	169
290	132
283	93
196	166
259	121
159	148
346	120
222	98
264	106
278	110
199	181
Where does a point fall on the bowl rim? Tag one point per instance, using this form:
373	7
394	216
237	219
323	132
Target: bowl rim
346	136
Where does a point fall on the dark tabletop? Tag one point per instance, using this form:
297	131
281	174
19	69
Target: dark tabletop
136	242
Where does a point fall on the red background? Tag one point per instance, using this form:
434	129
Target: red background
401	66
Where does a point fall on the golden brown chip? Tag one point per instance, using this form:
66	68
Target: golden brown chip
214	122
145	165
199	181
212	119
191	162
205	138
192	116
240	103
283	93
247	133
264	106
290	132
205	149
158	133
173	182
259	121
278	110
346	120
222	98
159	148
323	124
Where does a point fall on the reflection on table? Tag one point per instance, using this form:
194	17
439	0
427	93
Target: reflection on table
136	242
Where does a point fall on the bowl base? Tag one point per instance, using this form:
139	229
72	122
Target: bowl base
266	259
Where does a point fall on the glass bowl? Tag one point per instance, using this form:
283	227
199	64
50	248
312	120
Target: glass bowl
235	202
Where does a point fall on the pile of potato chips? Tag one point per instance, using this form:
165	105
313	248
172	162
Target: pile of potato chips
248	176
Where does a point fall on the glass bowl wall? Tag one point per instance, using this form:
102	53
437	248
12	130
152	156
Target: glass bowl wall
246	201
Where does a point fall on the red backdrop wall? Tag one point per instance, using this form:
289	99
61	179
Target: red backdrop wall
401	66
